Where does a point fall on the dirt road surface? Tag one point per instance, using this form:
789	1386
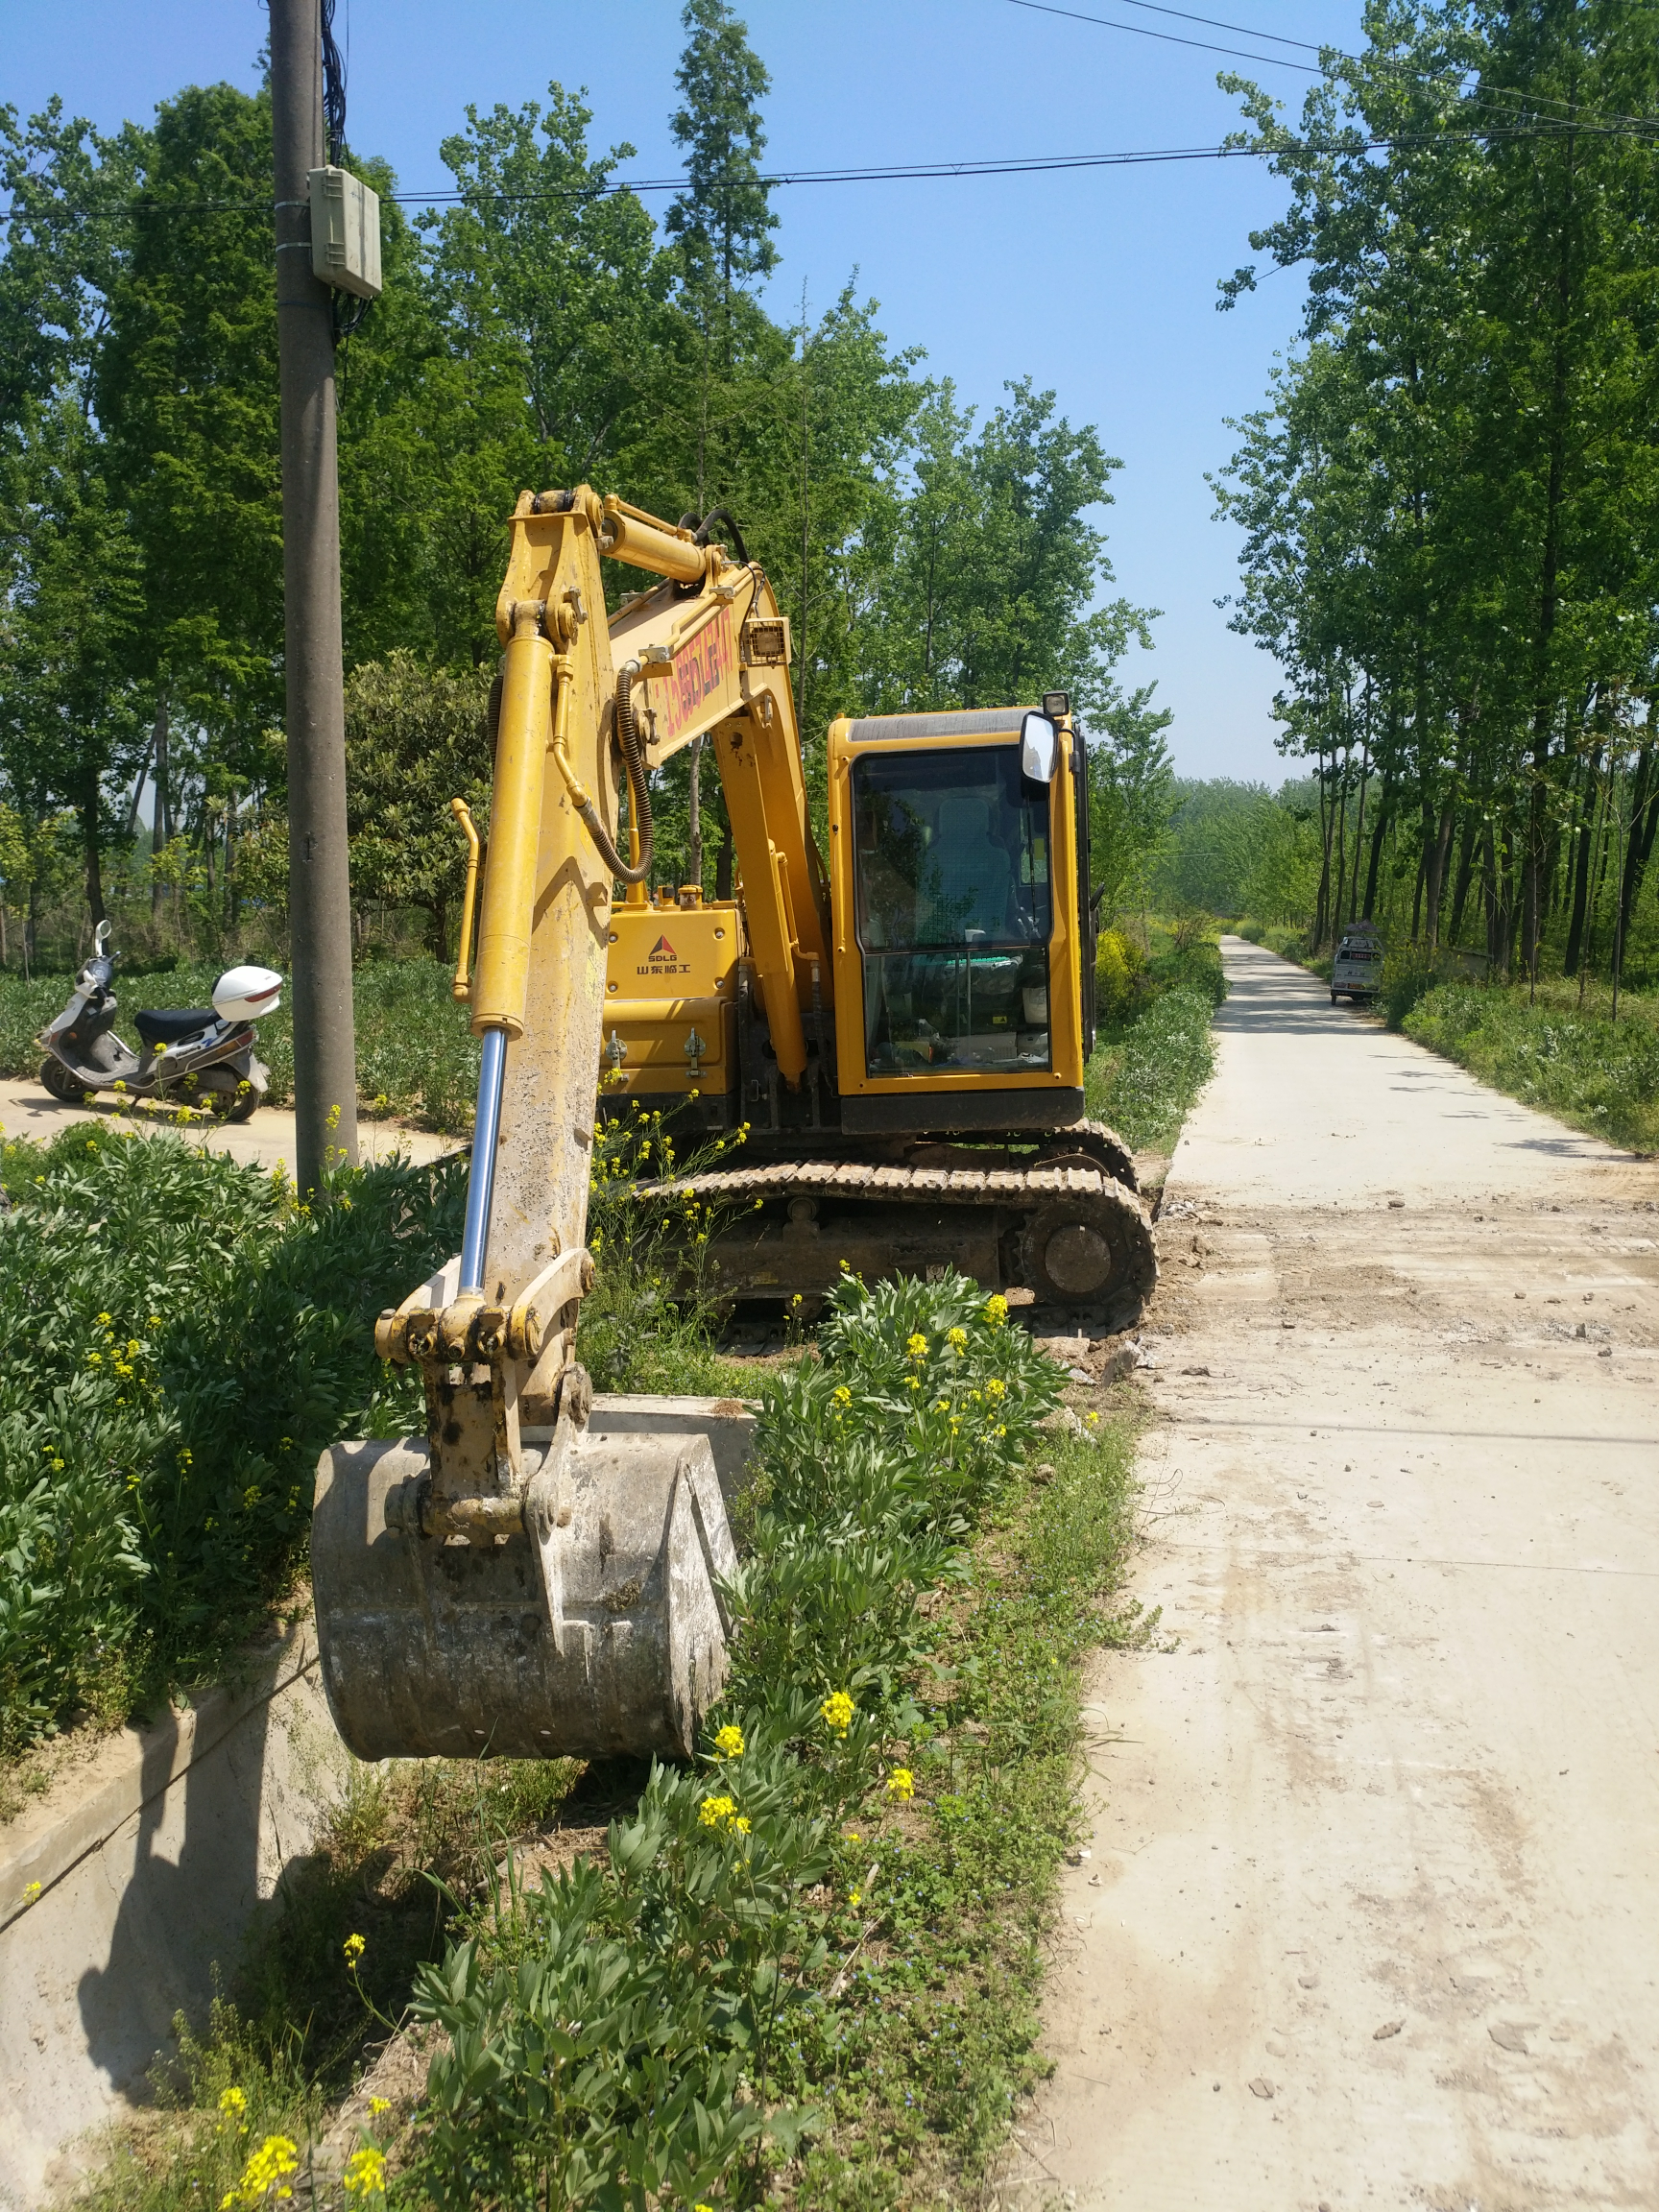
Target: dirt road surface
26	1110
1371	1915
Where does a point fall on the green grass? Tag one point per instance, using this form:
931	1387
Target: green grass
416	1056
183	1339
1584	1068
848	1992
1147	1074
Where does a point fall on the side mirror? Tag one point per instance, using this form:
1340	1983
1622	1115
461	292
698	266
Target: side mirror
1039	748
100	937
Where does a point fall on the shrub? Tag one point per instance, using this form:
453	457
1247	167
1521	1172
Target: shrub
1409	975
184	1338
1601	1074
627	2029
1119	964
1145	1084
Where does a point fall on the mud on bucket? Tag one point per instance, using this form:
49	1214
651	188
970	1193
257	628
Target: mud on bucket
582	1618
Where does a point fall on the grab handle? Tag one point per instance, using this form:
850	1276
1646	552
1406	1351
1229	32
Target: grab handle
462	987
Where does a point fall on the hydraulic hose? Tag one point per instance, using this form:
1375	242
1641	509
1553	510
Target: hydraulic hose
638	796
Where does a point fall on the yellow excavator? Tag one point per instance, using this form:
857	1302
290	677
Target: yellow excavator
903	1029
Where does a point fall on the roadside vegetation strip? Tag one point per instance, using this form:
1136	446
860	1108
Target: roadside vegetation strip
1600	1074
808	1966
1154	1053
183	1339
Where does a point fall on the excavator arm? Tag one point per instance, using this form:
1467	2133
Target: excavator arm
512	1583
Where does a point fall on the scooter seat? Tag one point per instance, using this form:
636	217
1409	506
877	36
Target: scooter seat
169	1026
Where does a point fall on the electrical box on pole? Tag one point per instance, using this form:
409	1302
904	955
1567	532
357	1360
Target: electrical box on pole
345	232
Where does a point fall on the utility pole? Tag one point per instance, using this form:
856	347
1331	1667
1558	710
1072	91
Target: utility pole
319	882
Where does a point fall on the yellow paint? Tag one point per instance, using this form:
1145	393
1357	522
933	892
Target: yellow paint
672	969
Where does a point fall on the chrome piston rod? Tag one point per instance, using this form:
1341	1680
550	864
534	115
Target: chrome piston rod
481	1180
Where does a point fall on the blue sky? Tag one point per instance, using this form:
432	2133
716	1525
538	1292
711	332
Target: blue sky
1100	284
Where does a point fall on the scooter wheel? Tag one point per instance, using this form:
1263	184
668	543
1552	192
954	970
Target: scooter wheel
57	1078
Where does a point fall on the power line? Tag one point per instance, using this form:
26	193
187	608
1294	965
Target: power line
1174	38
1484	94
919	172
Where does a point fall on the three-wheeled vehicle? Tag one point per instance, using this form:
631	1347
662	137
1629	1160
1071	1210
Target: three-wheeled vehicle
1357	971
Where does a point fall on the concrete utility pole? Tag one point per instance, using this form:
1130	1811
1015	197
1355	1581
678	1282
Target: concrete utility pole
319	883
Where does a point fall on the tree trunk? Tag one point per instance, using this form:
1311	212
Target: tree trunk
1644	814
90	812
1587	826
1466	846
1377	837
1436	873
723	864
161	825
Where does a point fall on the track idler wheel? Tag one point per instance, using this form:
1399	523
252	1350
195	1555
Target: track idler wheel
580	1618
1094	1248
1091	1145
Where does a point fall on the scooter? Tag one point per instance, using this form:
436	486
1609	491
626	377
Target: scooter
199	1056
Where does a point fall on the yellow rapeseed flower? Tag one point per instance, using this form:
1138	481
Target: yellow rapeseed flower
716	1812
902	1783
267	2169
354	1947
957	1340
996	1387
365	2174
917	1347
843	1396
741	1825
837	1712
234	2104
729	1743
377	2105
996	1310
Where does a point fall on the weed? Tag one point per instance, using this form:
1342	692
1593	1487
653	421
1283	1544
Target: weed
185	1339
1143	1080
1600	1074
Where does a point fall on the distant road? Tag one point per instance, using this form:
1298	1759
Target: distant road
1372	1912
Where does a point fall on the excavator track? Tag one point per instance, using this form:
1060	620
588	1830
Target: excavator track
1067	1230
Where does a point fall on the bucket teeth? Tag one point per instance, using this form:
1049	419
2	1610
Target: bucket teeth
583	1618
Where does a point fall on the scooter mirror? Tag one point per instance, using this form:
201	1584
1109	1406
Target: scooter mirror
101	936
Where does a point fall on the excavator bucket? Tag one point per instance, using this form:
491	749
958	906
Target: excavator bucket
588	1623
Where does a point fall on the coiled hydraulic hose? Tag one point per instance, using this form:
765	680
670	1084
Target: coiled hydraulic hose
638	796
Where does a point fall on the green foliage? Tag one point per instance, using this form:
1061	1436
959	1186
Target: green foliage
1119	977
1446	503
187	1339
648	1322
640	2025
723	223
1235	849
1600	1074
1144	1082
415	739
1132	798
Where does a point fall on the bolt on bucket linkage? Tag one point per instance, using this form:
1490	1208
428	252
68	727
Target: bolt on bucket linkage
526	1590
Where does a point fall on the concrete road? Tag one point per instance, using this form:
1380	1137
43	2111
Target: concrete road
26	1110
1372	1911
